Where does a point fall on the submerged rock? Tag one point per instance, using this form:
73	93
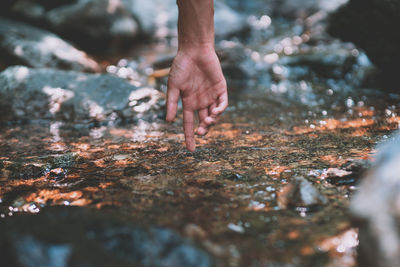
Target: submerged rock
33	47
72	96
72	236
300	193
376	205
371	25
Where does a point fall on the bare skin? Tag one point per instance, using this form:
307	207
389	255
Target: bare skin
196	74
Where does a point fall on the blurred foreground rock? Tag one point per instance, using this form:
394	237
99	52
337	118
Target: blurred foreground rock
377	205
373	26
74	97
23	44
72	236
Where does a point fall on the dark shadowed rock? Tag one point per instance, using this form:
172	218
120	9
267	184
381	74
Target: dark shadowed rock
376	205
300	193
72	236
33	47
72	96
334	63
372	25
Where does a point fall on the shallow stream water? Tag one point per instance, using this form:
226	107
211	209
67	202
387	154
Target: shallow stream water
298	107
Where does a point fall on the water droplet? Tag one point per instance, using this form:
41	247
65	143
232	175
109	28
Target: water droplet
111	69
277	69
355	52
236	228
269	189
349	102
122	63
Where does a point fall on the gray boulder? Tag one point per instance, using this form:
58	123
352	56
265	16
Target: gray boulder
33	47
72	96
87	22
376	206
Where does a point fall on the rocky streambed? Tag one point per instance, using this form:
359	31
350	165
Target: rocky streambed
91	175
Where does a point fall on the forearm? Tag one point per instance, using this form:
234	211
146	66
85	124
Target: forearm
195	23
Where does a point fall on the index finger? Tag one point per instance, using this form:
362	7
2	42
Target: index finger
188	128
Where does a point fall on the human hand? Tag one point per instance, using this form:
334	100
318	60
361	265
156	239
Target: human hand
196	77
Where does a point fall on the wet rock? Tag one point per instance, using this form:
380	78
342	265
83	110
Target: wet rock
376	205
349	173
18	171
300	193
33	47
64	161
329	63
90	23
338	176
72	236
56	174
72	96
371	25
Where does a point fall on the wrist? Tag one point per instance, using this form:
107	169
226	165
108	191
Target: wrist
196	47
